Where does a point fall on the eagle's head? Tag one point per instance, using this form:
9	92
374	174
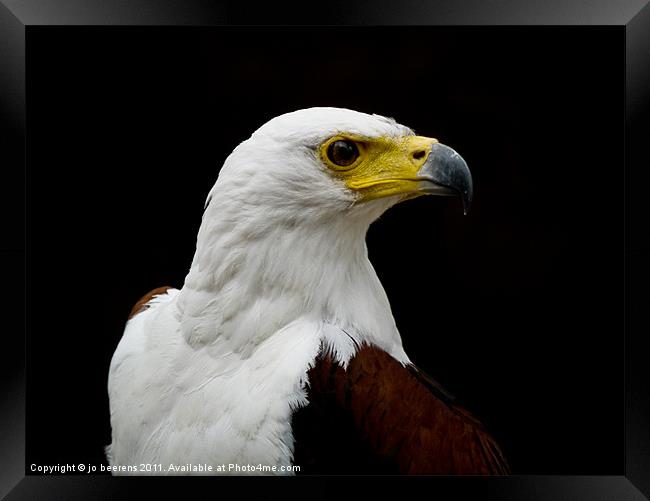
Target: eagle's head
283	233
331	162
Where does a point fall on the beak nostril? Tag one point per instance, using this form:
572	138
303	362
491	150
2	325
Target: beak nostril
419	154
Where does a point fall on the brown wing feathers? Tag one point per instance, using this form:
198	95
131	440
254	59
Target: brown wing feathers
406	417
141	305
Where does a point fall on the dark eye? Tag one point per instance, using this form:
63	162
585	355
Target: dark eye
343	152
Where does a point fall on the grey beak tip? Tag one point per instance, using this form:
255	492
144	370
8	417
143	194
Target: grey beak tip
467	197
446	167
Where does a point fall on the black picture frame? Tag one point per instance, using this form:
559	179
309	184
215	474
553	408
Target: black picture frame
18	19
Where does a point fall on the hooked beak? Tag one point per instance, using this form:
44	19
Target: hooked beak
446	173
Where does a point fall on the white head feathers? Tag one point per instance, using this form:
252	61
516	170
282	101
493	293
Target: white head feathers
281	239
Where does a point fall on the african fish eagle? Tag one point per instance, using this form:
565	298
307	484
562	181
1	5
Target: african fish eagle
280	348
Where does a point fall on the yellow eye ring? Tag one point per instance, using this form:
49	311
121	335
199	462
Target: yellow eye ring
341	153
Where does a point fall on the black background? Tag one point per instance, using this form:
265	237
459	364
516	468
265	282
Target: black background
522	315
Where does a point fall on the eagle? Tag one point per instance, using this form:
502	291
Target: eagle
280	354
